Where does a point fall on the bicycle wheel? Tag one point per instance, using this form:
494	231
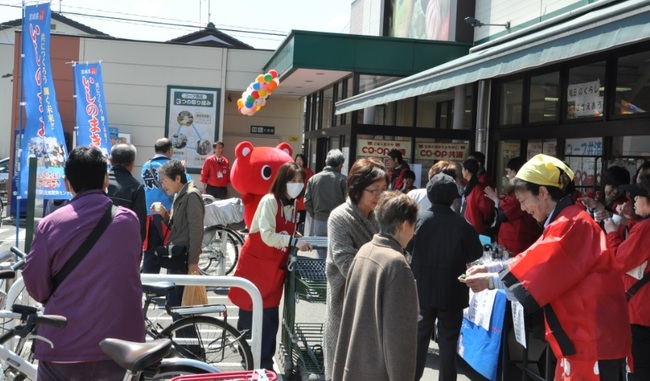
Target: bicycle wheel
220	250
209	339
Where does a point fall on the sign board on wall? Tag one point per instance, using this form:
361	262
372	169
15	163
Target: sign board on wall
441	151
192	123
381	148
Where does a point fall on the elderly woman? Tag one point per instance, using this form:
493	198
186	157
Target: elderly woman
570	273
380	292
350	226
185	228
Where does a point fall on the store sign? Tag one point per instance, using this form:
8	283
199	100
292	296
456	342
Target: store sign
381	148
441	151
263	130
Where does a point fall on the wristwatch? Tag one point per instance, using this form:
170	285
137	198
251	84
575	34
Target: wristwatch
490	283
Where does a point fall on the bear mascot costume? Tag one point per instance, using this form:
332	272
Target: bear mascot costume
253	172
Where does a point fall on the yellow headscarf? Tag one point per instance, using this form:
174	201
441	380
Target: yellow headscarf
544	170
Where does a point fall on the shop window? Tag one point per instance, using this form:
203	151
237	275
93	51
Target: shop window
583	155
511	102
328	107
632	87
585	91
544	103
508	149
445	114
404	112
426	114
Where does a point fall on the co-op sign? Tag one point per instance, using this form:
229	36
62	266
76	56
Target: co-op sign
423	151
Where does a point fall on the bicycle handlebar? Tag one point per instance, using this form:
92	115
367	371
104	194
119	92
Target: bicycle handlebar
21	254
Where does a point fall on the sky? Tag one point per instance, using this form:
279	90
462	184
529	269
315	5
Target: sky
167	19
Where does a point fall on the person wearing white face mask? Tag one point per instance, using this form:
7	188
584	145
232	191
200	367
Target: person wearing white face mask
264	255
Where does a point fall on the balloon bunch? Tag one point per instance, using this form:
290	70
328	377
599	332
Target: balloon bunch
254	98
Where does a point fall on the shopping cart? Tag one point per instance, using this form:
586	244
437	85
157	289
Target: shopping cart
250	375
302	342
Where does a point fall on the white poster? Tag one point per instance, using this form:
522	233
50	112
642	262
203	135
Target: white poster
192	123
518	322
441	151
480	308
584	100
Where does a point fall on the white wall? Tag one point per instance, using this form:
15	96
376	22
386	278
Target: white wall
136	75
366	17
515	11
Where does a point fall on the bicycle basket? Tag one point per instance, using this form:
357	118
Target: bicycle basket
224	212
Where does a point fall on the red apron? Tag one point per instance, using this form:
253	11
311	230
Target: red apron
264	266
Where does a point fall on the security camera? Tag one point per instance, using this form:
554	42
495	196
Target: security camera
473	22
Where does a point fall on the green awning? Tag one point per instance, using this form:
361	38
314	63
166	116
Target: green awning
621	24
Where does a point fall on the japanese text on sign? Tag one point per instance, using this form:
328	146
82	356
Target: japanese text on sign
381	148
440	151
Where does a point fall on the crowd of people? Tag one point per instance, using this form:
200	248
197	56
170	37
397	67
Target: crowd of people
393	258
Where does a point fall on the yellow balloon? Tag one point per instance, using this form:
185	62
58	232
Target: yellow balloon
240	102
262	93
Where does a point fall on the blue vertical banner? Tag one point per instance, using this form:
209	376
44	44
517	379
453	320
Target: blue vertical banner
43	137
90	107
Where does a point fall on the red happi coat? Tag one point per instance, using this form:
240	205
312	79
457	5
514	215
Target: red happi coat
264	266
570	273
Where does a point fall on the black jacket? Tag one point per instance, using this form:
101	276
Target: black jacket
444	242
124	190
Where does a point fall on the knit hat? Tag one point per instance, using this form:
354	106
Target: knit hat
442	189
544	170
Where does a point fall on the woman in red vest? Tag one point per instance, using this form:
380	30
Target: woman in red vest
264	256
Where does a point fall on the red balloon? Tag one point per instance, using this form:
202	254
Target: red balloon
273	73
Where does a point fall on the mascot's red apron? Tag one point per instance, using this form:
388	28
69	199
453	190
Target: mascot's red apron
264	266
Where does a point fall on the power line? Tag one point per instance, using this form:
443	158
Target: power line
252	31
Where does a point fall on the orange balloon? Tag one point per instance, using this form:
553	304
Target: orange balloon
240	102
260	78
272	86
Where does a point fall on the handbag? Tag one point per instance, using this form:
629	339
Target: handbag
170	255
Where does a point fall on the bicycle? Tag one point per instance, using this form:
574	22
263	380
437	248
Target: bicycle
16	368
146	361
220	250
196	336
221	244
18	364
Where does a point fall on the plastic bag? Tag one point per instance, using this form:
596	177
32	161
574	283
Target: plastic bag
194	296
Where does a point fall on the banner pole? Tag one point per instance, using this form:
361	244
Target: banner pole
21	128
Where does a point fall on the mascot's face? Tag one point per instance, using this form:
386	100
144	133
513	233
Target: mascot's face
255	167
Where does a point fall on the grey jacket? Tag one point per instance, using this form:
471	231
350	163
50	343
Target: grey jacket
347	230
325	191
378	334
187	221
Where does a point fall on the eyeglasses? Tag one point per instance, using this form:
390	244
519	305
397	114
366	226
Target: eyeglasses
375	192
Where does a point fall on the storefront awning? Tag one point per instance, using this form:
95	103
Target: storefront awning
621	24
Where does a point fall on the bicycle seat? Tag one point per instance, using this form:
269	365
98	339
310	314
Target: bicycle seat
135	356
158	288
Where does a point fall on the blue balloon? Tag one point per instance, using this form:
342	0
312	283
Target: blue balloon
256	86
248	104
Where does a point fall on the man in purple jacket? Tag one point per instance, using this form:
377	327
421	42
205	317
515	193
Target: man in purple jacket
102	296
